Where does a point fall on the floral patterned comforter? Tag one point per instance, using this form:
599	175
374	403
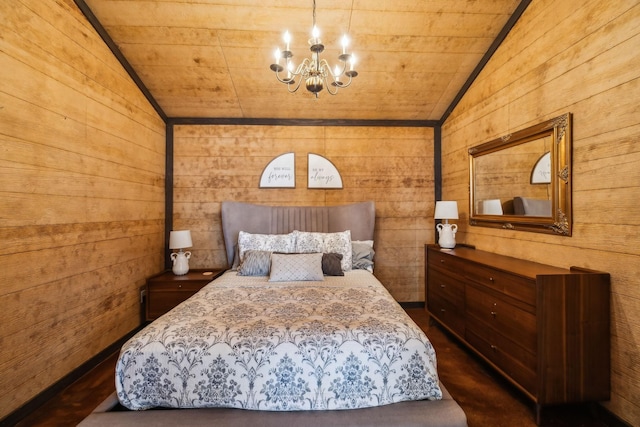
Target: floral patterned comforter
243	342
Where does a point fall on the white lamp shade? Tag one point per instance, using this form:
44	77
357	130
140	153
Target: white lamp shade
180	239
491	207
446	210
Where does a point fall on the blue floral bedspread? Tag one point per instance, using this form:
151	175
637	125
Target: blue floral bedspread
243	342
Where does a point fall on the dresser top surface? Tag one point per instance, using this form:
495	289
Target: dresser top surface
502	262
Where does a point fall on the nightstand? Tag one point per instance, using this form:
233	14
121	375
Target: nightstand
166	290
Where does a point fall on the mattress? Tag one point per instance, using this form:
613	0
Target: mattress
244	342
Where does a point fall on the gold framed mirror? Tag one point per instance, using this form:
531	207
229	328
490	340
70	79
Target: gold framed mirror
522	181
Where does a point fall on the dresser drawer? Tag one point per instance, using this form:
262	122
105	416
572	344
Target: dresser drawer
446	287
447	313
445	262
512	359
502	316
518	287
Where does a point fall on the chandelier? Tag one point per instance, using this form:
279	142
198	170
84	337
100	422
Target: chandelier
315	72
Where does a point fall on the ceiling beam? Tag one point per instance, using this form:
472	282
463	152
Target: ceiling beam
487	56
298	122
93	20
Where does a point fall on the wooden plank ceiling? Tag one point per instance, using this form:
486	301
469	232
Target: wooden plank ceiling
210	58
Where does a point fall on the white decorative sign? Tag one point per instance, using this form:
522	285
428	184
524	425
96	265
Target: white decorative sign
322	173
541	173
280	172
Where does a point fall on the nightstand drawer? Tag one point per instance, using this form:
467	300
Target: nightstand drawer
185	286
166	290
159	303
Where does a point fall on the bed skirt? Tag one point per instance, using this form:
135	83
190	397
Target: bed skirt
423	413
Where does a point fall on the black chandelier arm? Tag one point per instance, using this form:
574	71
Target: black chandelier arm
293	85
289	81
339	84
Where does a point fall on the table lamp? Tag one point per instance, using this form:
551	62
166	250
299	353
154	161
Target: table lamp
447	210
180	240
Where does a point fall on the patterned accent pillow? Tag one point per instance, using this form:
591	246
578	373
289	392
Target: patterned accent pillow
255	263
327	243
284	243
331	265
296	267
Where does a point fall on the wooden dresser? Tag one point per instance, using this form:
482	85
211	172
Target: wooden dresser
545	329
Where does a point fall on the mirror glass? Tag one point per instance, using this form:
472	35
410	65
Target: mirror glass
523	181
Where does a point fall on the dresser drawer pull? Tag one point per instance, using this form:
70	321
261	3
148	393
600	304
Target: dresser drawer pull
491	279
494	347
493	314
441	261
442	310
443	286
179	286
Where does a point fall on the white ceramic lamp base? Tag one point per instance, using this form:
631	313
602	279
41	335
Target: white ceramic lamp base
447	234
180	262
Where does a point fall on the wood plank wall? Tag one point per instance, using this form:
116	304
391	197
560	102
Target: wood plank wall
391	166
82	158
581	58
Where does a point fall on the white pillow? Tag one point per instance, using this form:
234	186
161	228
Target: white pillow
339	242
284	243
296	267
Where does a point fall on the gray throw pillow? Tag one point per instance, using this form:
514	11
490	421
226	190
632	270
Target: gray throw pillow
363	255
332	264
255	263
296	267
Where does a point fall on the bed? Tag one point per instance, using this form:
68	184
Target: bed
313	340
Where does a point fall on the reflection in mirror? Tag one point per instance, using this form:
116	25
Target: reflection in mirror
522	181
505	174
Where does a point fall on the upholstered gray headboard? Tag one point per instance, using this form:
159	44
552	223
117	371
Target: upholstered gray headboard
360	218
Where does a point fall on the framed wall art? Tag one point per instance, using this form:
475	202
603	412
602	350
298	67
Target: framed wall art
322	173
280	172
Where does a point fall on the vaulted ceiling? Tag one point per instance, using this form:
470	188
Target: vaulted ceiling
210	58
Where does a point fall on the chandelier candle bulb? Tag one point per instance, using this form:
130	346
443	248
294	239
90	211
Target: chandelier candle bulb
287	38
